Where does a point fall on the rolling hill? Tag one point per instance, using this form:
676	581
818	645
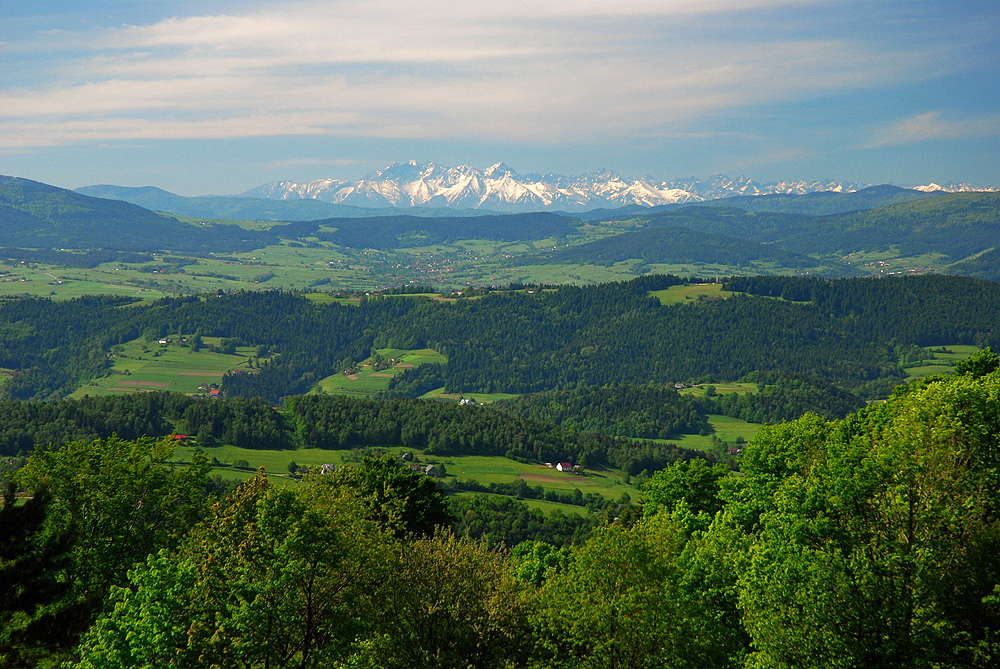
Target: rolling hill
36	215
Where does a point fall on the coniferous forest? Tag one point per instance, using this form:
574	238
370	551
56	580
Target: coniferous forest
858	528
866	541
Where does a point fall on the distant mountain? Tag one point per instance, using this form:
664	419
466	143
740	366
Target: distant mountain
822	203
36	215
498	188
956	225
221	207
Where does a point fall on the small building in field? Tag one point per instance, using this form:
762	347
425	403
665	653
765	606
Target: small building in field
565	467
431	470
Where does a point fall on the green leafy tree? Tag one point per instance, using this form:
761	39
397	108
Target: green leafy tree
535	561
121	500
693	481
275	578
452	603
399	499
616	604
33	617
979	364
881	549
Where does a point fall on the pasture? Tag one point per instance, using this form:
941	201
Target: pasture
366	381
483	469
943	362
481	398
724	428
148	366
693	291
726	388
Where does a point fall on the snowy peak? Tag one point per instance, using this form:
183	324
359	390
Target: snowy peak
954	188
497	188
500	188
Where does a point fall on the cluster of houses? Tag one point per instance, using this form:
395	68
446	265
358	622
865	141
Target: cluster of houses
211	388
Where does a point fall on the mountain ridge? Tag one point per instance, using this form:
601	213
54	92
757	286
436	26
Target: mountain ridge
500	188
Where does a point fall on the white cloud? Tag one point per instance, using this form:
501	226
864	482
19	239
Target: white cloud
387	68
932	126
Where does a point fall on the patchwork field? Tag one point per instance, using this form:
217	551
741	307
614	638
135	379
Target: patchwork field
944	361
144	366
483	469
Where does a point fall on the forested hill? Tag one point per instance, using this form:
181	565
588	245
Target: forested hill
676	245
849	332
390	232
616	333
36	215
824	203
956	225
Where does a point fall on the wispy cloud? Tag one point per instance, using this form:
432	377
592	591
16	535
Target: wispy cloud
933	126
546	72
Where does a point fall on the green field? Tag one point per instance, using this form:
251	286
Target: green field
483	469
725	388
366	381
481	398
725	429
944	360
149	366
694	291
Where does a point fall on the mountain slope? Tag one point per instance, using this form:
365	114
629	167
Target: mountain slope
820	203
36	215
391	232
219	207
677	245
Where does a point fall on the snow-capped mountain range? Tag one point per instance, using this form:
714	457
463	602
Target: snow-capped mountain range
500	188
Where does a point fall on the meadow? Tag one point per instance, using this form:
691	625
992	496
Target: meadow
944	359
485	470
142	365
367	381
694	291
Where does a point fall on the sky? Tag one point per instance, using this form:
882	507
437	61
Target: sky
219	96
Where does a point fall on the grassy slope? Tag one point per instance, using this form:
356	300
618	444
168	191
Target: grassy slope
145	366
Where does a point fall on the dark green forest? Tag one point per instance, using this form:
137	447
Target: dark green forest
846	332
847	533
866	541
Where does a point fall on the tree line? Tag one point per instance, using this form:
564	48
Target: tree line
846	332
866	541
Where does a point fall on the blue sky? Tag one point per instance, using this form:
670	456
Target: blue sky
215	97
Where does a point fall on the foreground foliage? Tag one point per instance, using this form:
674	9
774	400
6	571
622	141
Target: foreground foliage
868	541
